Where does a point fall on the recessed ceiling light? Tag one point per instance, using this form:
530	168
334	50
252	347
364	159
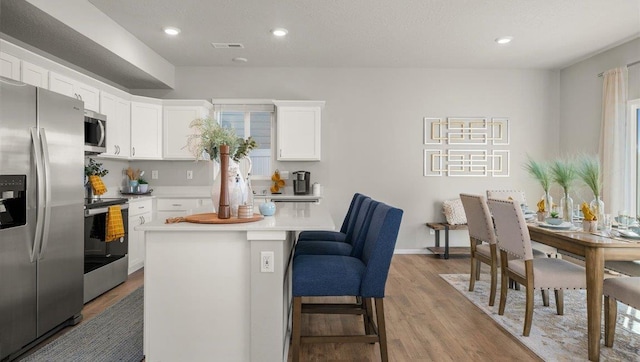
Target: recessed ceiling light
240	60
504	39
279	32
170	30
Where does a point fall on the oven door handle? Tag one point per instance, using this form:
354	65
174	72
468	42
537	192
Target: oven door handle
102	210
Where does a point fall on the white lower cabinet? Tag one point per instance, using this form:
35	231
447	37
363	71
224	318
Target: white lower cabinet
140	212
166	208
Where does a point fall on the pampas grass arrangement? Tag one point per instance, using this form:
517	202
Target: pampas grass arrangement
539	171
588	169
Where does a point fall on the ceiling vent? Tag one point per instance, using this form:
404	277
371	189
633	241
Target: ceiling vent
227	45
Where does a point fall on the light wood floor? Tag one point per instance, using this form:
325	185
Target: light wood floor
427	320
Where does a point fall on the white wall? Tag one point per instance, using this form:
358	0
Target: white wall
581	95
372	127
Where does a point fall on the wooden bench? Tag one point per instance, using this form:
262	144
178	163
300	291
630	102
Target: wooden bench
446	251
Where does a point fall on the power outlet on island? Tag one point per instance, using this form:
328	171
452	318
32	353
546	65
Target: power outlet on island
266	261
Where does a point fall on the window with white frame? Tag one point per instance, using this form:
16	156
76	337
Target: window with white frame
251	120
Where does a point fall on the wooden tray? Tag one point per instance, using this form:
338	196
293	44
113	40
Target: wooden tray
212	218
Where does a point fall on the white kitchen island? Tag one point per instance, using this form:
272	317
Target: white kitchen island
205	297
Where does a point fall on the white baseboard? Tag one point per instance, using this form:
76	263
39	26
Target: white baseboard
412	251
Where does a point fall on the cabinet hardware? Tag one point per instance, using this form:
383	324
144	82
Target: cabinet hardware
176	204
134	151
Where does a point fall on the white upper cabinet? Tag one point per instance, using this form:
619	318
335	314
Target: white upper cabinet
73	88
118	112
146	128
9	66
298	130
178	114
34	75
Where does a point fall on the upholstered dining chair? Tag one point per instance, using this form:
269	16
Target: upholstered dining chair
539	273
480	225
338	275
346	230
623	289
516	195
352	245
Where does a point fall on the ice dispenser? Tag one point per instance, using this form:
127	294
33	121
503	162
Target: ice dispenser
13	201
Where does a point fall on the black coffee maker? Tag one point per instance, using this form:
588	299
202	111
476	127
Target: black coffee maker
301	183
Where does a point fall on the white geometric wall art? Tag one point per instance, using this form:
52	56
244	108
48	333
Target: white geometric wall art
434	130
432	162
466	131
466	162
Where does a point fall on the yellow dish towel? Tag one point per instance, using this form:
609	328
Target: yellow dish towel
97	185
115	225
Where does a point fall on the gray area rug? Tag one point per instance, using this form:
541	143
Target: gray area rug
554	337
113	335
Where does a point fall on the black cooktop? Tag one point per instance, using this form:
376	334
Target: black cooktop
103	202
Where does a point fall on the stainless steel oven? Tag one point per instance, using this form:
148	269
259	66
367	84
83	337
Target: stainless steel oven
105	263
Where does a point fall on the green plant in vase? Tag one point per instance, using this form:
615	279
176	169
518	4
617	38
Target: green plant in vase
540	171
143	185
589	171
563	172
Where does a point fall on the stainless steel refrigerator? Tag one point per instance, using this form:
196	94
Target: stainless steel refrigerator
41	214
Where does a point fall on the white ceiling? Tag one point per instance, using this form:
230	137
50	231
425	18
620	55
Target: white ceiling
548	34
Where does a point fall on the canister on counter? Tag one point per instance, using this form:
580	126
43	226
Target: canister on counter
245	211
316	189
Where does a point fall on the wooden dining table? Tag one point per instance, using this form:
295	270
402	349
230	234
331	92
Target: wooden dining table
595	249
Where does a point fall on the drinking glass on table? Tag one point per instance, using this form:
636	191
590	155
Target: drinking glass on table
606	223
623	220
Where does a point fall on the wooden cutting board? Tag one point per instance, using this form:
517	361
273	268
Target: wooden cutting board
212	218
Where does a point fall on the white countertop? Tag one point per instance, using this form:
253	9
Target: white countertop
289	216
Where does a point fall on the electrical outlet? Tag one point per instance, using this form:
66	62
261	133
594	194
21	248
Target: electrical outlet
189	175
266	261
154	174
432	232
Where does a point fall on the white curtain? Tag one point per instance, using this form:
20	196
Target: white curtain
616	144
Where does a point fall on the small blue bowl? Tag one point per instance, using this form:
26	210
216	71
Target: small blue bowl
553	221
267	208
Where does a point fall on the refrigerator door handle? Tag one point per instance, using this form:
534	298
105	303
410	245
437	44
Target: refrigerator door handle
47	194
35	140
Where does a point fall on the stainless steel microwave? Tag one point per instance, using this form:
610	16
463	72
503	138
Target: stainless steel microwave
95	133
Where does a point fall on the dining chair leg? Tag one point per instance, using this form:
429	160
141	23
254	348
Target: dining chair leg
545	297
368	315
503	282
610	317
295	329
559	301
382	330
494	284
472	279
528	314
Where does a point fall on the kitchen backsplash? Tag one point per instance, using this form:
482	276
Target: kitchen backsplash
170	173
